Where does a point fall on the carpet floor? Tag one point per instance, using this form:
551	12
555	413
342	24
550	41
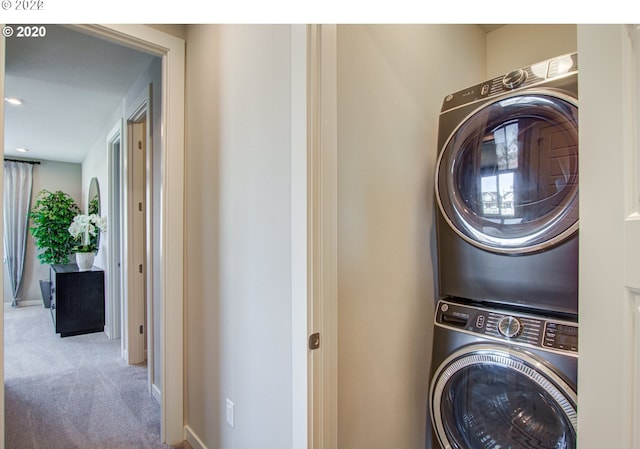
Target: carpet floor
73	392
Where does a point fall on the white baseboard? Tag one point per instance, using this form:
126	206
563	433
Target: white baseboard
30	302
193	439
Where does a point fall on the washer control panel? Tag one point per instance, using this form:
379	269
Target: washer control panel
514	327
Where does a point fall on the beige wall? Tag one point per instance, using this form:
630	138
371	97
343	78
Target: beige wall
202	343
514	46
238	236
391	83
49	175
177	30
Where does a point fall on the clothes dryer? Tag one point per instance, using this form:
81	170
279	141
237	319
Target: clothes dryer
507	189
502	379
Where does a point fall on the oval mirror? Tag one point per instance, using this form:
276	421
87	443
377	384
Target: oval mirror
94	197
93	205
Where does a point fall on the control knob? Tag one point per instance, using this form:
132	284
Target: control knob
509	326
513	79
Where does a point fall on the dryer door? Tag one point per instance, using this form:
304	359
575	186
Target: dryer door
490	396
507	177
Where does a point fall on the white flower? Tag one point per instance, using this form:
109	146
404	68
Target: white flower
99	222
85	225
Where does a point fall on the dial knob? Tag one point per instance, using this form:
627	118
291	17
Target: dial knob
513	79
509	326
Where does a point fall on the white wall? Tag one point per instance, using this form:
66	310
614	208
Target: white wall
514	46
96	165
238	228
391	83
52	176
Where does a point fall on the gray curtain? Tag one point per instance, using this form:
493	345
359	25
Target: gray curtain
18	182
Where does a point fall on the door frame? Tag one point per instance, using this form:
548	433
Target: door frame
138	265
2	68
322	239
172	51
113	326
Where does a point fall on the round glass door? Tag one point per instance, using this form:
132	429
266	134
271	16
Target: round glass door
491	398
507	177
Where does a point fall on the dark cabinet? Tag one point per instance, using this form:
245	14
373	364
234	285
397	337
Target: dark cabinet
77	300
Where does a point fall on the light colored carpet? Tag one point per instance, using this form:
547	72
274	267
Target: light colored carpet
73	392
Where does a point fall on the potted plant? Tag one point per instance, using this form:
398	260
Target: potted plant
85	228
51	217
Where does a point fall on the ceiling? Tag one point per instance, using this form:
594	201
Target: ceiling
71	84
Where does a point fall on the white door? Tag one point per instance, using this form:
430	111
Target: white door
609	304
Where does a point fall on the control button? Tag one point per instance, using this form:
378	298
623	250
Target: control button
485	90
448	98
480	321
513	79
509	326
444	307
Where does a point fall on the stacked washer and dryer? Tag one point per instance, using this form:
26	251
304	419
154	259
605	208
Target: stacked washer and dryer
505	354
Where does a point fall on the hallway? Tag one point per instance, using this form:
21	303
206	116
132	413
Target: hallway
72	392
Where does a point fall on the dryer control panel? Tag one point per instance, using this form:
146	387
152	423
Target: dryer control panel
516	79
514	327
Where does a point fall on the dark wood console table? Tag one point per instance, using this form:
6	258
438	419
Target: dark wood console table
77	299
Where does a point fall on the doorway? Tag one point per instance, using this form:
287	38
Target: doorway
171	50
113	316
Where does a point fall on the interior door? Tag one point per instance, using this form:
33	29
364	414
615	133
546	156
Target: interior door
136	242
609	364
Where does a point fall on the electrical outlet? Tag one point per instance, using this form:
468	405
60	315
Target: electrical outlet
230	413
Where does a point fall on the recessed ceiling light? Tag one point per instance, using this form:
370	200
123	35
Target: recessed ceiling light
21	150
14	100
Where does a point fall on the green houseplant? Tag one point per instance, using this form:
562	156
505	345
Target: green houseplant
50	218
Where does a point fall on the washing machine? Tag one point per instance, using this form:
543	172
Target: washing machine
506	188
502	379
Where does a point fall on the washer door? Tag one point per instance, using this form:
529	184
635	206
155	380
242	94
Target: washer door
488	396
507	177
